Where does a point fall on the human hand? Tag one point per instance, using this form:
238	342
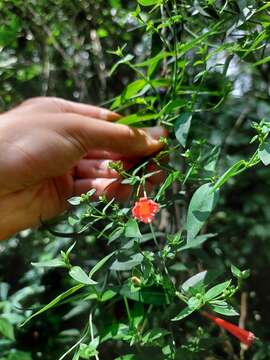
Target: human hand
52	149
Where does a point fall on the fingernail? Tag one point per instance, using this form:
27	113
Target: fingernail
156	132
109	115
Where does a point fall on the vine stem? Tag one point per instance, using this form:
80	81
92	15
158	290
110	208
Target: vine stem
128	310
91	331
154	236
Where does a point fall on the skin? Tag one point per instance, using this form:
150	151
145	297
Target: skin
52	149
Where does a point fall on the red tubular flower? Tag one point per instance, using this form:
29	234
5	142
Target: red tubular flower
145	210
246	337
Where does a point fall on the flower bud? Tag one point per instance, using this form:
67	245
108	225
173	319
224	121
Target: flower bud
136	281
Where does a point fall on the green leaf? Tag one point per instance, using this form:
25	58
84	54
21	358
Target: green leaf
200	280
132	229
123	60
216	290
126	357
50	263
116	331
262	61
73	220
172	177
264	153
99	264
178	267
194	302
148	2
235	271
223	308
232	171
107	295
116	234
88	351
202	203
135	118
19	355
137	314
240	274
115	3
6	329
184	313
133	89
129	264
196	242
75	200
78	274
173	105
54	302
181	128
153	335
148	295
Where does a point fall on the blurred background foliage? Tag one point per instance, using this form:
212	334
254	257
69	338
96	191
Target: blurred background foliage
60	48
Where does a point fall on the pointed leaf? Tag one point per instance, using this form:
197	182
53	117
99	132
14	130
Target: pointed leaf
216	290
181	128
202	203
54	302
184	313
264	153
78	274
6	329
132	229
99	264
129	264
148	2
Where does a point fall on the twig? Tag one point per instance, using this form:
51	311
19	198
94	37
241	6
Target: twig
242	321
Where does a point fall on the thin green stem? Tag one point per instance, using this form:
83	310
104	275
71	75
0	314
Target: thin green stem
128	310
154	236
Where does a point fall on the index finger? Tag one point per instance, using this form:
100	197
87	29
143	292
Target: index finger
92	134
87	110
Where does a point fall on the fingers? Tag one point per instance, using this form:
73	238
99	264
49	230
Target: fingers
87	110
111	188
102	135
93	168
156	132
81	186
58	105
102	154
